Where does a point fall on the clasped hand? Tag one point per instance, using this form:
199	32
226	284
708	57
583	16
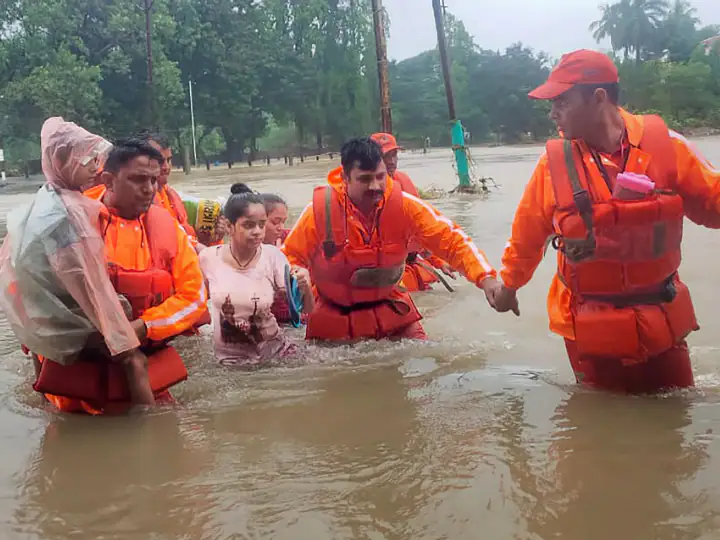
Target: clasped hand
500	298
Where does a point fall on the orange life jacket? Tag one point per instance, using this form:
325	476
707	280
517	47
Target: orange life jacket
178	208
99	382
357	285
406	183
619	257
149	288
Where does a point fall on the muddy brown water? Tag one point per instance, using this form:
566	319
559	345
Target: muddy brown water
479	433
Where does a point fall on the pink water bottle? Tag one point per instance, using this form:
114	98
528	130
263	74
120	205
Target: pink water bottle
631	187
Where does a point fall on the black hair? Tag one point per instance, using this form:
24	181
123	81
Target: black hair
239	189
161	140
270	200
237	205
611	89
360	152
125	150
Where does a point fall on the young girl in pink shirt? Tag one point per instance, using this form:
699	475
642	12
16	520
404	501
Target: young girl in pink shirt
244	276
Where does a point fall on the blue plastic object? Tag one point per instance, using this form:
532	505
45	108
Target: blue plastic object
294	298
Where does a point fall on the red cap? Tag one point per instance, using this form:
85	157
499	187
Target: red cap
579	67
386	141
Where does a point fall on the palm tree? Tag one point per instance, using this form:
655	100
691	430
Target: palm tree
682	10
631	25
611	24
680	31
643	20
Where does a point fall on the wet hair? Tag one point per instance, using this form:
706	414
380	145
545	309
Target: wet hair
125	150
239	189
240	199
612	90
270	200
161	140
360	152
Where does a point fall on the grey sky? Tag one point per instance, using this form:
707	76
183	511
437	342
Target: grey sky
553	26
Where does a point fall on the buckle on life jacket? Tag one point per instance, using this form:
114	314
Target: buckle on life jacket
329	249
575	250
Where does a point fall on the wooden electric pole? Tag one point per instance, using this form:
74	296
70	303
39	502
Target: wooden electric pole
382	65
457	132
444	62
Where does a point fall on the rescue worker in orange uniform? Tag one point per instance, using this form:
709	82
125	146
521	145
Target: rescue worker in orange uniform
167	196
616	298
420	266
354	239
151	263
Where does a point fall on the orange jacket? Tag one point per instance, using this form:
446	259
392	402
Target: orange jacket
433	230
406	183
698	183
408	186
126	245
171	201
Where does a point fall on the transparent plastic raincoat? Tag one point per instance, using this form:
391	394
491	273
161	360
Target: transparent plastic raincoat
54	287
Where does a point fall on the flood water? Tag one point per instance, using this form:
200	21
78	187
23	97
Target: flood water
479	433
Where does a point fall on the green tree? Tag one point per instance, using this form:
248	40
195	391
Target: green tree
679	31
612	25
631	25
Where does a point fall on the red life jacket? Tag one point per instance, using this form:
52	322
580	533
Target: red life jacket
100	382
406	183
620	257
357	285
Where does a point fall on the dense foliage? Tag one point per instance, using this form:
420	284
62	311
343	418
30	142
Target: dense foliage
304	72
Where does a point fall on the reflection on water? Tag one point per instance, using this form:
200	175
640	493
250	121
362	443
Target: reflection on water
480	433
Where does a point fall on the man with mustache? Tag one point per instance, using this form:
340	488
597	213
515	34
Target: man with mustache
354	240
146	247
616	298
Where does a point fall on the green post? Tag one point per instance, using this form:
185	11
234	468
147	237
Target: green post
458	144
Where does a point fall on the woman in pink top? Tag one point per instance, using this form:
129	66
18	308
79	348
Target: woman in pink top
243	277
277	213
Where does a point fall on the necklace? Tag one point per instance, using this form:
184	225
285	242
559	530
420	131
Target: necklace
237	261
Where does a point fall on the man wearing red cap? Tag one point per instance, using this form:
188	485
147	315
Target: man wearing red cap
611	197
419	272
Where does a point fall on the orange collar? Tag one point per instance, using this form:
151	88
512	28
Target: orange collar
633	126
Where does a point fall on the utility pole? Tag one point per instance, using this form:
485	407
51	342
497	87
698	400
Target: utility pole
148	43
457	132
192	122
439	8
382	65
